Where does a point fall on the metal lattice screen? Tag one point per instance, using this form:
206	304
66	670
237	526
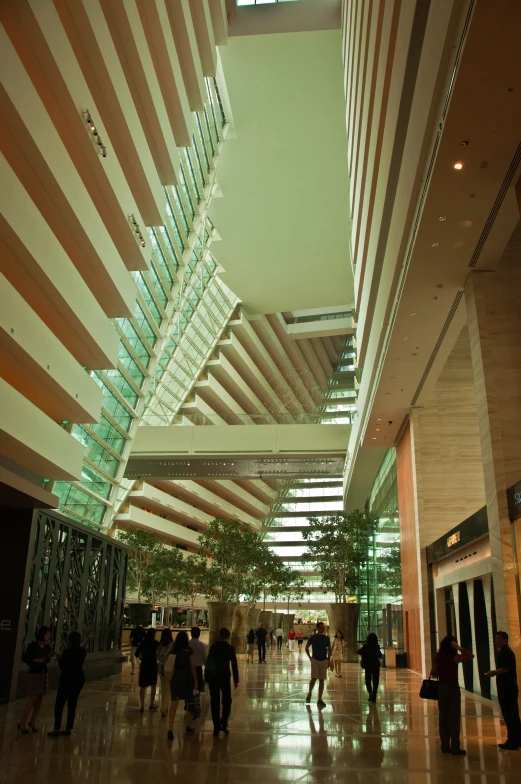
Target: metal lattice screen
77	583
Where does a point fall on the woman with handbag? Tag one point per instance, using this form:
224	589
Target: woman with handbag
370	663
445	667
165	667
183	683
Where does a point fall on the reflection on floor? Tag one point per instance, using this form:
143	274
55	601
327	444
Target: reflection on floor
273	737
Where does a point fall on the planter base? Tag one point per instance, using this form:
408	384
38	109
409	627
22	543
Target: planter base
344	618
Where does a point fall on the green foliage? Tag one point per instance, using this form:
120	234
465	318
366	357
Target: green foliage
338	545
167	576
142	548
389	570
233	548
200	578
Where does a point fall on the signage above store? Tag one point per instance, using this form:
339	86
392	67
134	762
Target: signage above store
453	539
469	530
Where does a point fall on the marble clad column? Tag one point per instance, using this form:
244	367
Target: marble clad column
265	619
287	622
252	618
276	620
494	322
344	618
239	630
220	615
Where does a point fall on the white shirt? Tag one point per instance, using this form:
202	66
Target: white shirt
199	649
279	633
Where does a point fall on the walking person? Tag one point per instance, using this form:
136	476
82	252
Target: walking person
250	642
72	681
445	667
137	635
291	639
147	654
164	649
37	655
300	640
371	655
220	658
261	643
338	650
183	683
507	691
279	634
320	644
200	654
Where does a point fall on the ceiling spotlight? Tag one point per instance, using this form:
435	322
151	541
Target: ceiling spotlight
412	314
434	245
442	218
374	438
458	165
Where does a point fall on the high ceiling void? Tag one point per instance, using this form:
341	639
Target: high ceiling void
284	217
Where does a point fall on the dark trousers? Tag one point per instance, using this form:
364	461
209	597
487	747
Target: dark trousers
372	679
67	693
508	702
279	643
200	679
262	651
449	707
217	688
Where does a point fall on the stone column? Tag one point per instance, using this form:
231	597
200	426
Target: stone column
344	618
220	615
252	619
287	624
265	619
276	620
239	627
494	323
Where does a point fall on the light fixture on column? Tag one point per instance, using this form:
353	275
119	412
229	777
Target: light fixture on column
96	138
139	235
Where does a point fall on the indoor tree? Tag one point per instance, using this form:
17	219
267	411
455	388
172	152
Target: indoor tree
339	545
232	546
142	547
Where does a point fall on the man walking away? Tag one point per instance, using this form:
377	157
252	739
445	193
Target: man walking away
199	649
261	643
320	644
507	691
279	634
217	674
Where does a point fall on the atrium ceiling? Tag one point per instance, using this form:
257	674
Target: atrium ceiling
284	215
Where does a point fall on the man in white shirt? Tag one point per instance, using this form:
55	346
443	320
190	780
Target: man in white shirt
200	654
279	634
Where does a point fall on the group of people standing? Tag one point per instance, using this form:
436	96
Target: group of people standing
445	668
184	666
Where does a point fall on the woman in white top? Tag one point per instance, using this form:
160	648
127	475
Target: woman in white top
338	647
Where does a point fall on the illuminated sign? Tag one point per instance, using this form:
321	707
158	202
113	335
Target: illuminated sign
453	539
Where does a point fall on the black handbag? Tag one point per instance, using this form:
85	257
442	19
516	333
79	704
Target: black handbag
429	689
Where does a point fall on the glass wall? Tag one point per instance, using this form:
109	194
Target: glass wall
181	310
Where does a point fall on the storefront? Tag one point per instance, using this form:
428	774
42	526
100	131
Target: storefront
461	597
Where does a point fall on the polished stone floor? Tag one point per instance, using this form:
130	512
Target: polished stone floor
273	736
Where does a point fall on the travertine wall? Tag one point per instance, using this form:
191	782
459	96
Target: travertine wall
440	484
494	318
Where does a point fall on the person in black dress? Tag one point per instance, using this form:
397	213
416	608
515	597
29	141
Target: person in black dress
261	643
137	635
37	655
371	655
147	654
72	680
217	674
183	682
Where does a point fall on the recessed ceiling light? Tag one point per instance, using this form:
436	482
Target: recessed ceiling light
434	245
412	314
406	338
442	218
392	378
379	419
377	429
374	438
397	359
458	165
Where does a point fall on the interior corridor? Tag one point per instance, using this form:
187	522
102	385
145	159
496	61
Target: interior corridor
273	736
